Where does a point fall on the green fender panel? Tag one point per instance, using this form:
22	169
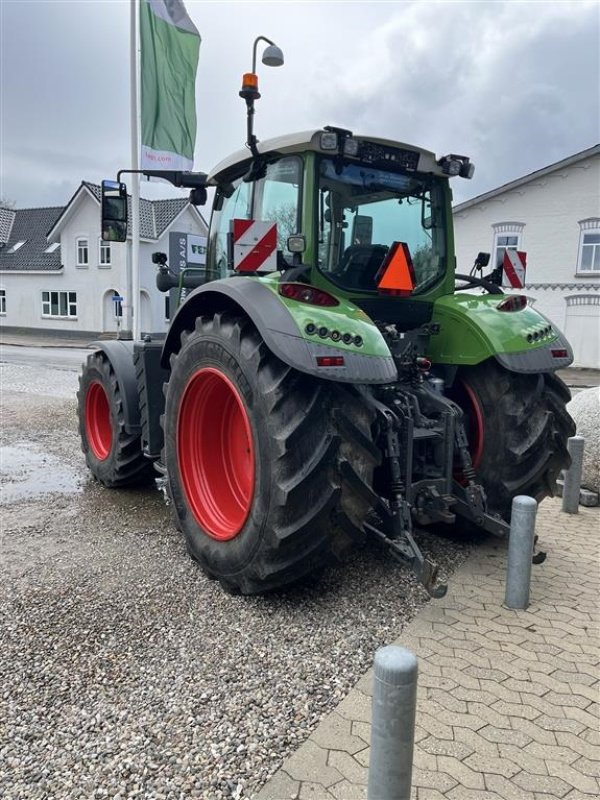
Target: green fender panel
283	325
472	329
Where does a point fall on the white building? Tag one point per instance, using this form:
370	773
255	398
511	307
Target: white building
554	216
56	274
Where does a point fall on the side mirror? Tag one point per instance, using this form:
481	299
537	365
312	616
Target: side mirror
482	260
198	196
114	211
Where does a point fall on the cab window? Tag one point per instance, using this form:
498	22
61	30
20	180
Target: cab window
277	199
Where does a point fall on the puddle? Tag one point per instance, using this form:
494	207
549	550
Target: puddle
26	473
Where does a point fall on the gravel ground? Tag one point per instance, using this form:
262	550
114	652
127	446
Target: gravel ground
124	671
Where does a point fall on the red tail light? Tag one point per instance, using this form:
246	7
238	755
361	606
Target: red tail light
330	361
307	294
515	302
559	353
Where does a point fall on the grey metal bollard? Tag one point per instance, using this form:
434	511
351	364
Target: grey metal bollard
572	484
393	724
520	551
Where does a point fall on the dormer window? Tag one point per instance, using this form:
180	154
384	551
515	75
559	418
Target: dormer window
52	248
16	246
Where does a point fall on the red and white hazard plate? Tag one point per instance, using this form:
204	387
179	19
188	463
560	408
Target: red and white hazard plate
254	245
513	268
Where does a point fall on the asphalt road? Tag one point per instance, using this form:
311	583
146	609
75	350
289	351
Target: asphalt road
70	358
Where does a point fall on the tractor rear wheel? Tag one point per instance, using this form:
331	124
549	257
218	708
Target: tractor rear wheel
254	452
114	456
518	428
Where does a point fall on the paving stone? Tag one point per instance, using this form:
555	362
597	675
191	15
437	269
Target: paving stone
574	677
335	733
459	770
429	794
533	731
504	736
478	743
434	726
460	678
506	789
592	736
313	791
363	756
309	763
523	759
574	778
490	675
447	701
562	700
516	710
575	794
349	768
473	695
355	706
280	787
485	764
542	783
587	766
579	745
587	719
552	752
444	747
462	793
488	713
344	790
433	780
362	730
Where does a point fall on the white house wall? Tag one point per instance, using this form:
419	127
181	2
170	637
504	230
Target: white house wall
550	209
93	282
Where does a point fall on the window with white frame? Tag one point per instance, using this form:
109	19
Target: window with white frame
59	304
83	252
589	246
2	301
104	253
507	236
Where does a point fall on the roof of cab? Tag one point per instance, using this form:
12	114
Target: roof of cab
309	140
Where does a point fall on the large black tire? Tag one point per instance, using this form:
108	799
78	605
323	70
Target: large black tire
114	456
292	509
518	428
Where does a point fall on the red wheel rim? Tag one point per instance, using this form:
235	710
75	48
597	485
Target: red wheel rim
475	431
98	424
215	452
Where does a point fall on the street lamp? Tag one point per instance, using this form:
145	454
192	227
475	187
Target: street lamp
272	57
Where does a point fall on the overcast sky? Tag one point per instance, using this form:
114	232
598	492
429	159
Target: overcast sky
513	85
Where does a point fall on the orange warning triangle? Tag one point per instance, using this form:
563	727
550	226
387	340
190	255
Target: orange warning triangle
397	271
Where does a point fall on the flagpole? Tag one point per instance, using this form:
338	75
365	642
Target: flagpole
133	280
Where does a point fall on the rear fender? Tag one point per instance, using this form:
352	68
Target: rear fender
282	323
120	355
472	329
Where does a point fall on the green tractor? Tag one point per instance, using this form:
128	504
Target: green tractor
322	380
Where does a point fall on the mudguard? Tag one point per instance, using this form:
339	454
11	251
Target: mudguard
284	324
472	329
120	354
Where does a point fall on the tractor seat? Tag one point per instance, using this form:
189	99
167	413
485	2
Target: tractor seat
359	265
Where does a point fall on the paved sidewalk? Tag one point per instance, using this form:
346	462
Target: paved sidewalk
508	700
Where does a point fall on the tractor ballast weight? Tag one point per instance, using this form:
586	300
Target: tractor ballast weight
338	388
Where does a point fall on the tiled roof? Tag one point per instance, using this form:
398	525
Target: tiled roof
30	226
155	215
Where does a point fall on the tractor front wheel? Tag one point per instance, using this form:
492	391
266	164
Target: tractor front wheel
254	453
114	456
518	426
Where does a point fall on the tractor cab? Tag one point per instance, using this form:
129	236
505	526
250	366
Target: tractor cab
366	218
